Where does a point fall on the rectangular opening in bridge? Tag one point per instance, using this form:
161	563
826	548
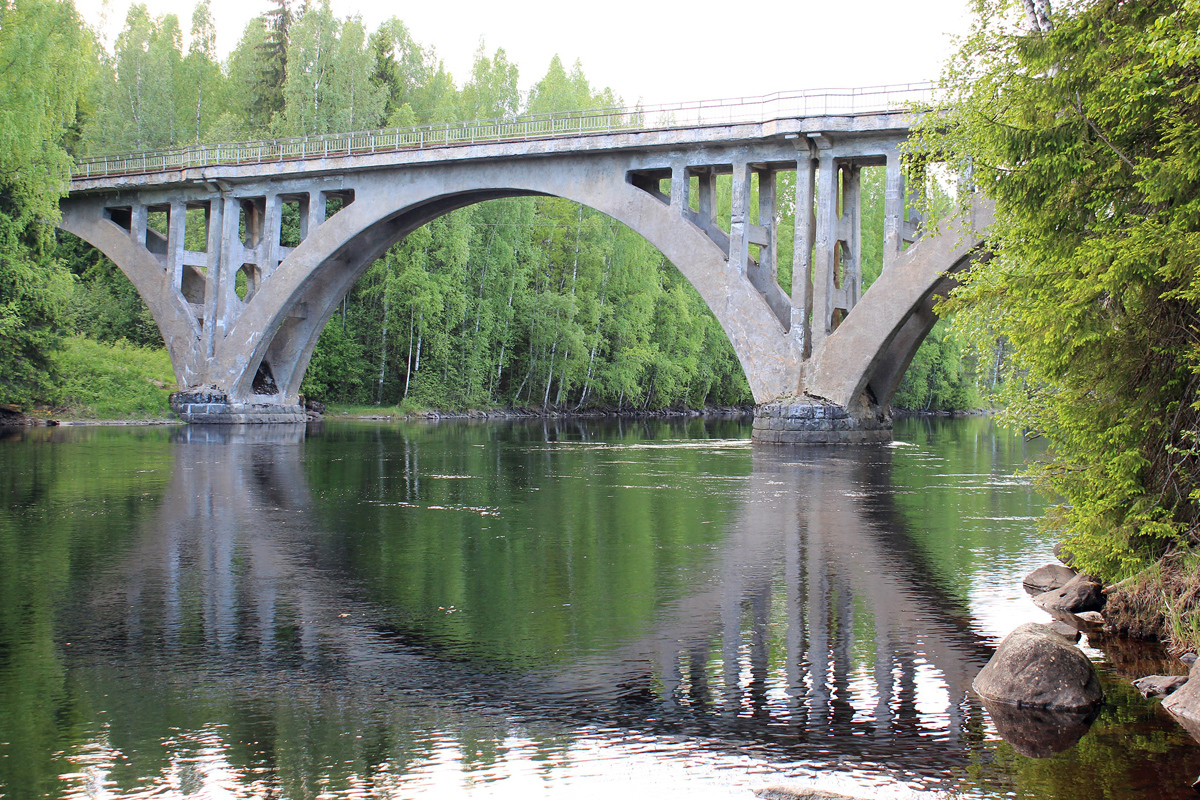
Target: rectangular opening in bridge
293	219
195	228
753	213
193	284
785	214
872	186
158	227
652	181
936	186
724	196
336	201
122	216
252	220
693	193
246	282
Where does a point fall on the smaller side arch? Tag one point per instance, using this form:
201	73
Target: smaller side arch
85	218
873	347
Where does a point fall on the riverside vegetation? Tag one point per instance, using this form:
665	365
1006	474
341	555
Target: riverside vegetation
1084	133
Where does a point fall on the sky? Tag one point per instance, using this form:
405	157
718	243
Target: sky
656	51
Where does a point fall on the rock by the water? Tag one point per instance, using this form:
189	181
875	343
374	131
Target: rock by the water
799	793
1188	658
1039	732
1094	617
1081	593
1184	702
1063	554
1159	685
1063	629
1049	577
1036	667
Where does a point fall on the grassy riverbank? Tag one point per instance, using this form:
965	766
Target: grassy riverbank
108	381
1160	603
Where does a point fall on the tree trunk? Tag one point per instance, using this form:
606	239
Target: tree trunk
383	348
566	359
1037	15
550	377
420	336
408	368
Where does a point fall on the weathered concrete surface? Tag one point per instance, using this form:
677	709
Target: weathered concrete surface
873	347
821	343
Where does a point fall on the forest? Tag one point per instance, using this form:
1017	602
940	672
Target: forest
531	303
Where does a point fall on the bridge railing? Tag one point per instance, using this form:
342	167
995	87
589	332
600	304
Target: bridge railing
781	105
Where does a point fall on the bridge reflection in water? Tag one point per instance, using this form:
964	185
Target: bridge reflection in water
803	631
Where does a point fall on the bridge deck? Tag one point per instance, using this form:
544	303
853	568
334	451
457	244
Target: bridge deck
742	119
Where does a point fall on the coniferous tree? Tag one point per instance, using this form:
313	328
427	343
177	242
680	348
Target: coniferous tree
267	101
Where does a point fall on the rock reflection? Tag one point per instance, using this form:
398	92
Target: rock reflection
1039	732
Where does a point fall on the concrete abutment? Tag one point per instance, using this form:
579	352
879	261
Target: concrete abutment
214	407
812	421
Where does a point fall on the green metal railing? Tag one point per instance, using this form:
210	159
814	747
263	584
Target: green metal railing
782	105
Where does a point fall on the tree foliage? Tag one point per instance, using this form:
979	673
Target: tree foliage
1084	134
45	53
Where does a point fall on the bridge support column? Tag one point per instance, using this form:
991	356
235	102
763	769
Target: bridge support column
212	406
812	421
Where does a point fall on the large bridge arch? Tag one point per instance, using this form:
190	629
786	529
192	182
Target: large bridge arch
863	361
318	273
138	263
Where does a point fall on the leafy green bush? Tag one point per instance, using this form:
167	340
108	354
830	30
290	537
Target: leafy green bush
112	381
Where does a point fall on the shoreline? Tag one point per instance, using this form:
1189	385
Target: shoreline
41	418
359	414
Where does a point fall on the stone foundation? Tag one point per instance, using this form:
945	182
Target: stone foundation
214	407
811	421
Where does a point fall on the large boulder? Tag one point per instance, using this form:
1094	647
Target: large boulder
1036	667
1081	593
1049	577
1184	702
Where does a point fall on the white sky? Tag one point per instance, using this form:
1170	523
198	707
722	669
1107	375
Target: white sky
658	51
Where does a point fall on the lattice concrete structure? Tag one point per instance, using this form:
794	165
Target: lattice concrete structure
822	358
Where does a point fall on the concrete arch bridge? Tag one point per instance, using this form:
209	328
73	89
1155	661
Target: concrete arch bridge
823	358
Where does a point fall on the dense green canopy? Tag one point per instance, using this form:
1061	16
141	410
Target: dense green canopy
1086	135
45	56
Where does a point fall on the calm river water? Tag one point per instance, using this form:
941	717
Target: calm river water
558	609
